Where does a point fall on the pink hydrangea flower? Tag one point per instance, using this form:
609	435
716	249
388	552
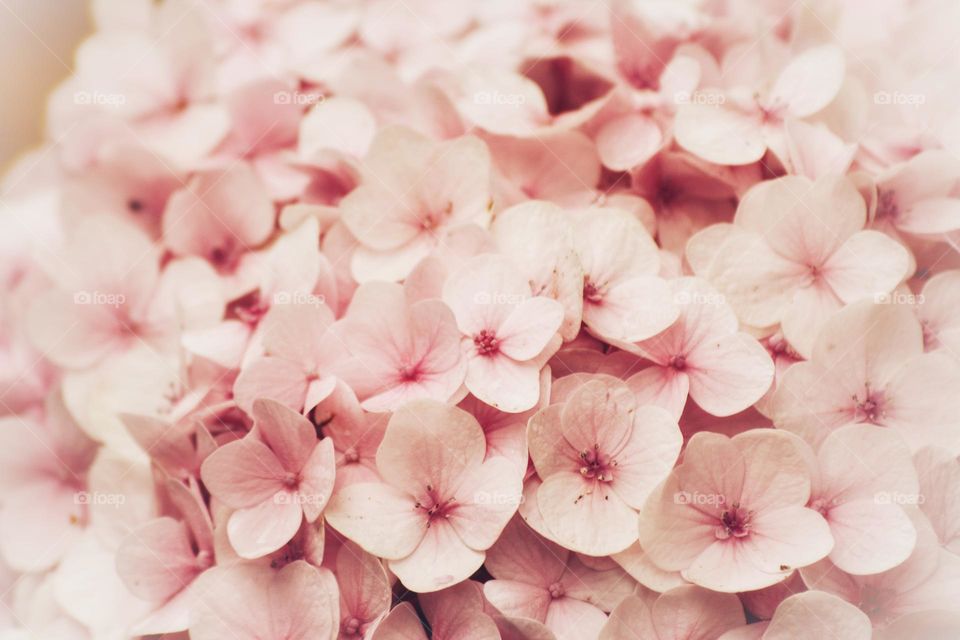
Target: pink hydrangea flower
399	350
440	505
732	516
508	335
796	252
274	478
688	612
702	354
600	455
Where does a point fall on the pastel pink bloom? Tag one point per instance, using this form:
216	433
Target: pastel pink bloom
298	355
557	167
927	581
454	613
810	615
249	601
740	130
160	561
364	591
623	298
795	253
538	238
413	191
157	87
110	295
274	478
868	366
762	603
939	473
508	335
936	310
683	613
703	354
44	477
440	504
356	435
219	215
537	579
398	350
600	454
127	181
863	475
919	196
731	516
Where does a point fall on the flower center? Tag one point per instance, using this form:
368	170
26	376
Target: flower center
592	292
887	207
734	522
869	406
351	455
596	465
556	590
486	342
434	505
678	362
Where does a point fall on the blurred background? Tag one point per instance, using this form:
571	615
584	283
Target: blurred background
37	41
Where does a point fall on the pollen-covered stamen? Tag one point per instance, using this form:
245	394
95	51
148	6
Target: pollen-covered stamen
596	465
592	292
434	505
290	479
351	455
735	522
486	342
556	590
869	406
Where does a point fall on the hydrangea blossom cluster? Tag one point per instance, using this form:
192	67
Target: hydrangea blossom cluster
517	320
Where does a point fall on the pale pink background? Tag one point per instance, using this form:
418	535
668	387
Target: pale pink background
37	40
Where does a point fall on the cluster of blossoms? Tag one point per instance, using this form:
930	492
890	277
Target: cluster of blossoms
519	320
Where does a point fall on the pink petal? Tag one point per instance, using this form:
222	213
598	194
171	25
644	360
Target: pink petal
289	435
628	141
243	473
381	519
439	561
529	328
429	444
263	528
719	135
729	374
585	515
